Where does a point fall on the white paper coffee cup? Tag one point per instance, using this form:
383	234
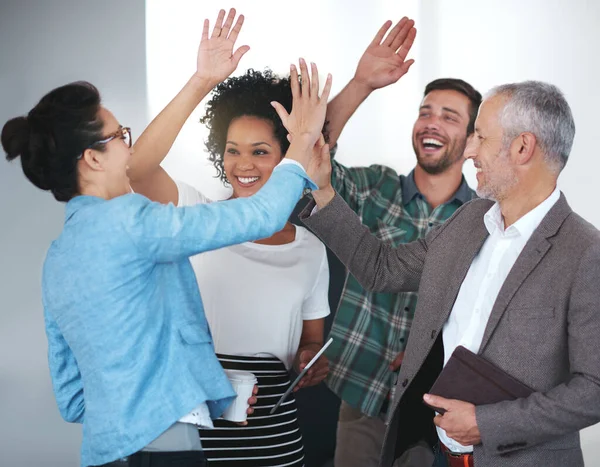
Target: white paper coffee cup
243	384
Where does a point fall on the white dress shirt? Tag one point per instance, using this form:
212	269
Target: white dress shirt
478	292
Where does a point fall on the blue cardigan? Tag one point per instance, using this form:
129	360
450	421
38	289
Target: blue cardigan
129	348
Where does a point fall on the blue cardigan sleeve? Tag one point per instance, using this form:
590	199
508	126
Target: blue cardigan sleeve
167	233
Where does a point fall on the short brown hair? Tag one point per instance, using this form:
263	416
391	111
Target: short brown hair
454	84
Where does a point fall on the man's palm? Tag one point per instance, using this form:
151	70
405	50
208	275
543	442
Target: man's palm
379	67
384	62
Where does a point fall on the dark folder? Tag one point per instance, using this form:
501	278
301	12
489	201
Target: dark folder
471	378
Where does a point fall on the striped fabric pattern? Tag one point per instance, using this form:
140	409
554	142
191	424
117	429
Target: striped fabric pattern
267	440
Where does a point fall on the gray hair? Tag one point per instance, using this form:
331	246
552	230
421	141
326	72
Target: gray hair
541	109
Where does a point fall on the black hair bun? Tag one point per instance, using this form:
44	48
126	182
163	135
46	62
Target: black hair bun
15	137
29	139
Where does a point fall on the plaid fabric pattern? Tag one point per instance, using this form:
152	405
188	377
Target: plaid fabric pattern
371	329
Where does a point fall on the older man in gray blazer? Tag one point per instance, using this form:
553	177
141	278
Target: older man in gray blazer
514	276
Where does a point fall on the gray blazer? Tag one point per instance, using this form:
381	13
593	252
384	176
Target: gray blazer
544	328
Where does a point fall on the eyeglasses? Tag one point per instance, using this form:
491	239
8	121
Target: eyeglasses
123	133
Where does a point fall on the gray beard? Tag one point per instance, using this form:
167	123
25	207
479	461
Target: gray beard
498	191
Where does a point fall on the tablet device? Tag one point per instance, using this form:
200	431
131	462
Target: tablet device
301	375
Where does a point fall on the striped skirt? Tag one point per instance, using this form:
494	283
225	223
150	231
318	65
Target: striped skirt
267	440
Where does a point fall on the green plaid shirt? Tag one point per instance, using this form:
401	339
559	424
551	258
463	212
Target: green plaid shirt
371	329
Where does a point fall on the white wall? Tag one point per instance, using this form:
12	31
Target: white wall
43	45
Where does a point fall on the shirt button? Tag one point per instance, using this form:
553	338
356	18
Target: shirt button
433	334
405	383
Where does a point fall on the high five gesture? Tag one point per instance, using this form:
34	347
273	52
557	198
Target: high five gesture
305	122
216	57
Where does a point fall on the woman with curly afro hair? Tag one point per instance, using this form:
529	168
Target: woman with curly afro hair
245	101
265	301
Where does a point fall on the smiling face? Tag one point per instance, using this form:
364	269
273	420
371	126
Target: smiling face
496	171
440	132
251	153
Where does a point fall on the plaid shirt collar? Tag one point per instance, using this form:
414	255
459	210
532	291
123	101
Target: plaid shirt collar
410	190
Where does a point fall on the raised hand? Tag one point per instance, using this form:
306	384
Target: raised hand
308	109
384	62
216	58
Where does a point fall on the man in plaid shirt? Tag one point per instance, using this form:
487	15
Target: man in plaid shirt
370	330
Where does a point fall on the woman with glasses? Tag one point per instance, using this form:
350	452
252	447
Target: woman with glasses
129	349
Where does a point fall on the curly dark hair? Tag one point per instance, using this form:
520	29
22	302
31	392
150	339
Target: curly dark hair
248	95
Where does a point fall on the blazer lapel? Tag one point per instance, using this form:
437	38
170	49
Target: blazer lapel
535	249
532	254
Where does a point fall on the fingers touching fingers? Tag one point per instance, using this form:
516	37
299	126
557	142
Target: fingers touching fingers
305	79
307	84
